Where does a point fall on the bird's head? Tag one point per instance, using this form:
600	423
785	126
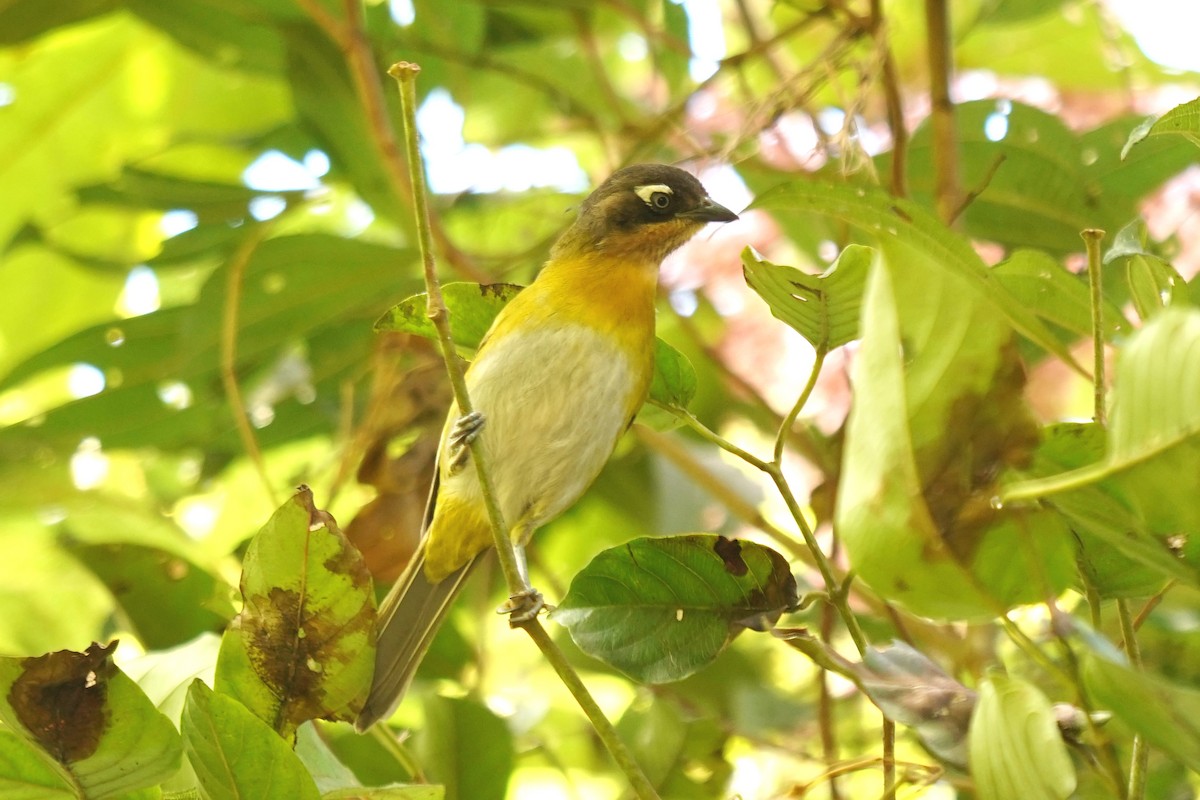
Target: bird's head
642	212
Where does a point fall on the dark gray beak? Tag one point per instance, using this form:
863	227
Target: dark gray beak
708	211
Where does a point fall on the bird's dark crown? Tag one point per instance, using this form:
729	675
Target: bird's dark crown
649	209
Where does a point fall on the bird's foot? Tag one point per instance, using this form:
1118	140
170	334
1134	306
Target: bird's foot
464	431
524	606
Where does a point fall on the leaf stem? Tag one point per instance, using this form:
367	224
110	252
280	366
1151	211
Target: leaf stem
834	590
786	426
405	74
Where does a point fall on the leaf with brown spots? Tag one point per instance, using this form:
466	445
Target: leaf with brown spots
301	647
87	717
659	609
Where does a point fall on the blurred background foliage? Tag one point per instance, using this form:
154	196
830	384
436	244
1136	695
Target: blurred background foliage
204	213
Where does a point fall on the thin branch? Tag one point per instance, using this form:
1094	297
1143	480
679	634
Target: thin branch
351	38
229	333
405	75
892	99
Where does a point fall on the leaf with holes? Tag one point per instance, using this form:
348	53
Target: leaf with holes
823	308
659	609
87	720
301	647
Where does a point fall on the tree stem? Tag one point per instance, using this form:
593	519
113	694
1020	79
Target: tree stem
945	137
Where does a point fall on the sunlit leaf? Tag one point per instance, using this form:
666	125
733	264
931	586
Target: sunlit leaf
660	609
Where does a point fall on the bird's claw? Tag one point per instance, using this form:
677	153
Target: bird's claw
524	606
464	431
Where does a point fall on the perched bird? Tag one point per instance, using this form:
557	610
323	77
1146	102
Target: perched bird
557	379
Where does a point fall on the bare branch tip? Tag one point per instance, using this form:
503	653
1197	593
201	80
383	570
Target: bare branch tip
404	70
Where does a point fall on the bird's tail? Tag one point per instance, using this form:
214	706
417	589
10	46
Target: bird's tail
410	616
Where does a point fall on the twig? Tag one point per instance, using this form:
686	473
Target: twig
405	75
891	97
229	331
351	38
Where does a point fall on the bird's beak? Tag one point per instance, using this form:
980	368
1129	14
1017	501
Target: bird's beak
708	211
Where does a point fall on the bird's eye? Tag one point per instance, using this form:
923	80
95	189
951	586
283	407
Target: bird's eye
661	201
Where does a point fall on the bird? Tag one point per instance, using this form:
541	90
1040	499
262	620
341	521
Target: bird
555	382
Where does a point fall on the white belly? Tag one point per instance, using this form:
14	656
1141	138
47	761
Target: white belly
554	404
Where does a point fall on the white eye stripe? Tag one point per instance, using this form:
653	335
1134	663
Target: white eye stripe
648	191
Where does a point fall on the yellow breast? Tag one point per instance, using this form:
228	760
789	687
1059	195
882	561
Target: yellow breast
560	375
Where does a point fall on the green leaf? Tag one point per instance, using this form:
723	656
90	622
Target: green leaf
221	31
142	188
27	773
301	647
473	307
1183	120
314	289
412	792
938	415
1042	284
824	308
1154	408
1153	282
1015	747
456	727
674	382
165	598
1165	713
659	609
235	754
1117	553
91	719
1028	170
21	20
165	676
899	225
